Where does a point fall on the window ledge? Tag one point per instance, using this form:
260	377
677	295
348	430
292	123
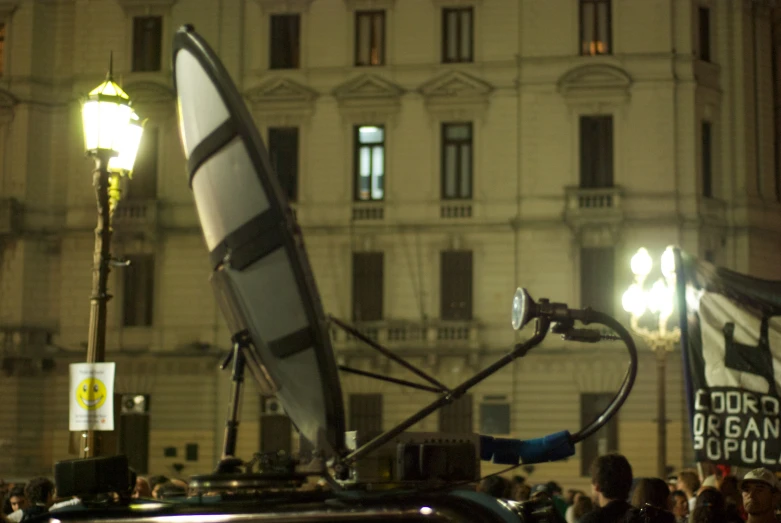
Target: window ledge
284	6
368	5
456	3
146	7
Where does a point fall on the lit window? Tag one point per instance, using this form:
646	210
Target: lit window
370	163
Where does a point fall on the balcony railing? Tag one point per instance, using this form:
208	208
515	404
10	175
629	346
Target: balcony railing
23	340
135	216
412	335
368	212
455	209
602	204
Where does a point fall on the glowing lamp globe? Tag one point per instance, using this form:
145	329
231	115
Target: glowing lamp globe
641	263
106	114
668	262
634	300
128	146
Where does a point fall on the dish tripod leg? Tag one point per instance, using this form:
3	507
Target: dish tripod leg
241	341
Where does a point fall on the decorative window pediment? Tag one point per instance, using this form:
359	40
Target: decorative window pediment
457	94
146	7
151	99
284	6
456	3
369	92
369	5
282	101
595	81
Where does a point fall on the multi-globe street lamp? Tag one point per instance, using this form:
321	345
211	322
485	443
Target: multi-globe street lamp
655	300
112	135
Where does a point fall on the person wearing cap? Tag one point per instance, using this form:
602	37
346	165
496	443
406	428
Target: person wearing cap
760	496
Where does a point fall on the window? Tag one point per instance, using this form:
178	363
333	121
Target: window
456	286
285	42
707	159
365	415
2	49
457	416
596	152
370	163
147	43
275	427
368	283
495	418
704	33
456	161
597	280
370	38
283	153
605	439
457	38
595	30
138	291
144	184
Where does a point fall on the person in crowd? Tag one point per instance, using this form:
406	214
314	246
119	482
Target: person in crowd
573	497
651	500
709	507
521	492
672	483
732	496
155	482
679	506
689	482
495	486
15	500
39	493
611	479
761	496
582	506
142	488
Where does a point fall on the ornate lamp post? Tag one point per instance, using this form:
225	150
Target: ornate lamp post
659	302
112	134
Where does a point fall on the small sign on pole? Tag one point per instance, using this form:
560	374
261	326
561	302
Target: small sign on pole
92	396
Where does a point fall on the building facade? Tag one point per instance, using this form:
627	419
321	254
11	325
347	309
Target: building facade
439	154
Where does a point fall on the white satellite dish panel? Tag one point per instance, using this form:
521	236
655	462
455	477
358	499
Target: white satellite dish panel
262	276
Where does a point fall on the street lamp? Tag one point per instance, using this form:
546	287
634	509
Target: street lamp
112	134
659	302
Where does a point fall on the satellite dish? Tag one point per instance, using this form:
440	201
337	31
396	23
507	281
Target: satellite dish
262	277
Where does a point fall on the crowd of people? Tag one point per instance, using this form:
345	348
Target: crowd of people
39	496
615	497
618	497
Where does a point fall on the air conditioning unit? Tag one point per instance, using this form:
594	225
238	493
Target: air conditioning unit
135	404
272	407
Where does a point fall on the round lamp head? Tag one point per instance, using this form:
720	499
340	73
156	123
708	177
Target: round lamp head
668	262
641	262
105	115
634	300
523	308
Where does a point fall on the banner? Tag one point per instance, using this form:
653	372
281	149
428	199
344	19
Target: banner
92	396
731	340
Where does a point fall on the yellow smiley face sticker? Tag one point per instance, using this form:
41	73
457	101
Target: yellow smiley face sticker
91	393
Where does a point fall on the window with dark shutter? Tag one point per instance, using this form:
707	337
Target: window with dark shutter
596	152
2	49
138	291
147	43
365	414
704	33
595	27
457	31
456	285
144	184
495	418
285	46
597	279
605	439
707	159
370	38
457	416
367	286
456	161
283	153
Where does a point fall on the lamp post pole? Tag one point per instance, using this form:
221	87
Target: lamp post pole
96	343
112	134
659	301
